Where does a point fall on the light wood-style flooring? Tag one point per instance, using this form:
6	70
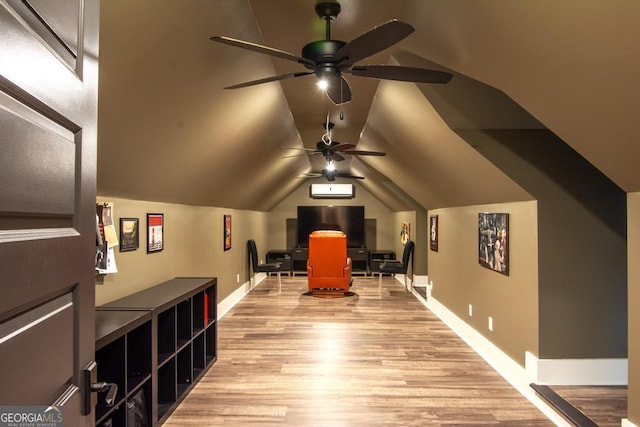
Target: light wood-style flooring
378	358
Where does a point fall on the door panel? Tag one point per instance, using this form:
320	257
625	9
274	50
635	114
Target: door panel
41	337
37	166
58	24
48	141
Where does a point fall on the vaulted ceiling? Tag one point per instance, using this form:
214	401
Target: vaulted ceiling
168	131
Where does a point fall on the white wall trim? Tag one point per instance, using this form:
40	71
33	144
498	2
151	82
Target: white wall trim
420	281
236	296
626	423
510	370
576	371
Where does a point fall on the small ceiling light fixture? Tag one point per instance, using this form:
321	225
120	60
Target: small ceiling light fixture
331	167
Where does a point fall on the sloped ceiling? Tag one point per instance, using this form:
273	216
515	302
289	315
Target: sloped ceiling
168	131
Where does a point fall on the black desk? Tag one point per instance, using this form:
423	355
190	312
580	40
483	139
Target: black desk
378	257
282	256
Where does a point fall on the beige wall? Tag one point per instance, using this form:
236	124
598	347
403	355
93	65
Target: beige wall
374	209
459	280
193	247
633	239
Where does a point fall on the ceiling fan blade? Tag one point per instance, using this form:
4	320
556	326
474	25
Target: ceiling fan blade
343	147
405	74
295	155
336	157
339	91
262	49
269	79
296	148
347	175
364	153
373	41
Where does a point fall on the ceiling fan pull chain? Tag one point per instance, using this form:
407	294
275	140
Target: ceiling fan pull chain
327	136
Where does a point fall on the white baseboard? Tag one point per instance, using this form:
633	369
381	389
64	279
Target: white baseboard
236	296
576	371
420	281
626	423
510	370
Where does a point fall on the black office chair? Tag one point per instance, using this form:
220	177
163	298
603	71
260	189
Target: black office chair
261	268
393	266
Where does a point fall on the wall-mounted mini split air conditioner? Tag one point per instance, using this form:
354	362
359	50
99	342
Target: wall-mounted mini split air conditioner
332	191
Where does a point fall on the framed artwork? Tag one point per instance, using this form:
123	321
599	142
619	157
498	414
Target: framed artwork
433	232
155	232
129	235
405	232
227	232
493	241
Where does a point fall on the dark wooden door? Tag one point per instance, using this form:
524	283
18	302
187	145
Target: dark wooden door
48	145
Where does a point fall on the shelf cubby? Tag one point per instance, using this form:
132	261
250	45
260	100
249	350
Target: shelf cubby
111	367
199	310
184	330
210	304
210	345
166	334
133	419
199	359
138	360
166	387
183	370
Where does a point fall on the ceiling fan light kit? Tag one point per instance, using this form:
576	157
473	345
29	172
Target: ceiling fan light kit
329	59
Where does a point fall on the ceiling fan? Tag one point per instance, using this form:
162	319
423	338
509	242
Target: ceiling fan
331	175
330	59
333	150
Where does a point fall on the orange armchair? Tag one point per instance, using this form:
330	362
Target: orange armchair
328	266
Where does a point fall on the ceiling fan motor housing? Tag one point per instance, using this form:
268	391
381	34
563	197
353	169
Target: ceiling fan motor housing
323	53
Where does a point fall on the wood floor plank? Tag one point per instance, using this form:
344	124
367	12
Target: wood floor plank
378	358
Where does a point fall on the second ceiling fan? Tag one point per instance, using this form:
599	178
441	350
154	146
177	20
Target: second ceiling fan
333	150
330	59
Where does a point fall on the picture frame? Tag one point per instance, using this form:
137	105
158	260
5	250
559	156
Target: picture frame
405	232
129	234
493	241
433	233
155	232
227	232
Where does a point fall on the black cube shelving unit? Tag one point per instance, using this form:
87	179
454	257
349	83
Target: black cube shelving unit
178	339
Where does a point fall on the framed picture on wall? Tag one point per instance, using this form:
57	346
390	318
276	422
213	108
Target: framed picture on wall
227	232
405	232
155	232
433	232
129	235
493	241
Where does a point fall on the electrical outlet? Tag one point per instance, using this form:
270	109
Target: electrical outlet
491	323
237	278
470	310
